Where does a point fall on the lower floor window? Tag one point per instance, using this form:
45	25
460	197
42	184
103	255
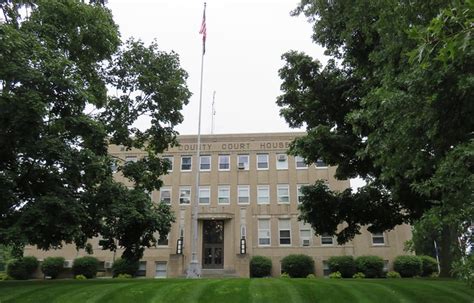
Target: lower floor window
160	270
141	269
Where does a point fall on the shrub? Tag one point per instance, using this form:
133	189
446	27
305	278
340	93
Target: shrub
80	277
122	266
17	270
297	266
335	275
86	266
260	266
124	276
31	264
358	275
393	275
408	266
464	270
343	264
371	266
434	275
429	266
284	275
311	276
4	277
52	266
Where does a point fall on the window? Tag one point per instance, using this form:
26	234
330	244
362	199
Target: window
262	161
223	195
204	195
300	163
305	234
165	195
185	195
141	269
283	194
169	160
114	166
326	270
320	164
263	194
160	270
327	239
243	162
224	162
299	193
243	194
186	162
163	242
264	232
378	239
129	159
284	230
281	161
205	163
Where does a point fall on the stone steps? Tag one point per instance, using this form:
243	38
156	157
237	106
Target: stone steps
218	273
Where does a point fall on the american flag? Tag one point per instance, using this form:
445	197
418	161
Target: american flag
203	30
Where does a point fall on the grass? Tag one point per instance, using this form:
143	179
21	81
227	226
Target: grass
237	290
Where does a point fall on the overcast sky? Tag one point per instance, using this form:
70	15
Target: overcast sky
245	41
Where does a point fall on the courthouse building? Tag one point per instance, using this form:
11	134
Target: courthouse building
249	192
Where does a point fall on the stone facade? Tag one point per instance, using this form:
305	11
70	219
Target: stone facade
248	190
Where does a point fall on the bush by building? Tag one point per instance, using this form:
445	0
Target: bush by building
429	266
22	268
335	275
260	266
393	275
80	277
343	264
52	266
297	266
370	266
408	266
358	275
86	266
122	266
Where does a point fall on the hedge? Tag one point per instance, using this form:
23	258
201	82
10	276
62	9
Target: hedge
371	266
408	266
429	266
260	266
86	266
122	266
22	268
297	266
343	264
52	266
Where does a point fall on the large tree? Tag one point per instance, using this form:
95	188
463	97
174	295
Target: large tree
68	89
393	105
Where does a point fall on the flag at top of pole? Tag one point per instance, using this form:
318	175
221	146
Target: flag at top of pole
203	30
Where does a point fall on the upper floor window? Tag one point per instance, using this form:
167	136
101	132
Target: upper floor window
185	195
320	164
204	195
299	193
223	195
327	239
264	232
300	163
205	163
282	161
262	161
243	162
165	195
263	194
224	162
283	193
243	194
186	162
305	234
169	160
378	239
284	231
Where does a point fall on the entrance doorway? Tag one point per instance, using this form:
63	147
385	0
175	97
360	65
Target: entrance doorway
213	244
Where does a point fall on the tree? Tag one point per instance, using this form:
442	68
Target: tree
57	119
394	106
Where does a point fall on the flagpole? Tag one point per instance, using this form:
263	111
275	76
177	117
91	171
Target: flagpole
194	269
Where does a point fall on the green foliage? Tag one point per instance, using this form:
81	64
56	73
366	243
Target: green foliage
311	276
124	266
429	266
335	275
464	270
5	277
370	266
297	266
124	276
80	277
393	275
52	266
284	275
408	266
345	265
260	266
56	121
86	266
358	275
5	256
392	105
22	268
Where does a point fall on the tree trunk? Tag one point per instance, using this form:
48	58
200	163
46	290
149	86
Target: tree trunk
447	250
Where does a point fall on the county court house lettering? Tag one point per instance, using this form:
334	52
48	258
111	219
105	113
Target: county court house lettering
249	192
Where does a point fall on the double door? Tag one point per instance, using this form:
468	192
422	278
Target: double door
213	244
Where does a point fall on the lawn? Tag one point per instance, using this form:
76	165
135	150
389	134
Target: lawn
237	290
